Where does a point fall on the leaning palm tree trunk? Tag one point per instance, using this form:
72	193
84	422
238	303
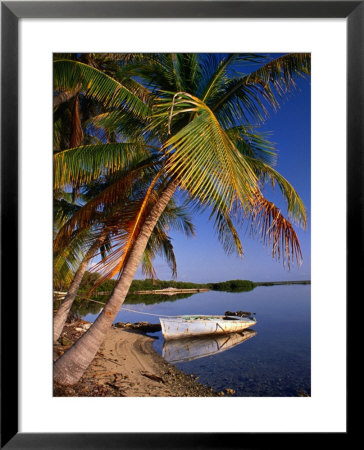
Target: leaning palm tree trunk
64	96
69	368
61	316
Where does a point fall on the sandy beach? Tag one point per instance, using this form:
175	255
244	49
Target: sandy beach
126	366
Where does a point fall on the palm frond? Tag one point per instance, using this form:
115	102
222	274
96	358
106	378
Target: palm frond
135	225
67	259
295	205
201	155
102	206
254	144
70	75
147	264
274	230
173	217
121	122
177	217
250	95
216	72
158	243
216	79
86	163
63	211
226	232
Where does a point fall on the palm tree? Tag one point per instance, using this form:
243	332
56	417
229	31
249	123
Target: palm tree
203	127
61	316
104	235
71	132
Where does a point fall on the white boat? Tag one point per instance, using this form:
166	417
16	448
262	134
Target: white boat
185	326
189	349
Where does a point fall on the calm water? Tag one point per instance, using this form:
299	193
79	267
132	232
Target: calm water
273	362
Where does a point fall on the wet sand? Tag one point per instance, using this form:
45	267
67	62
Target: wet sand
127	366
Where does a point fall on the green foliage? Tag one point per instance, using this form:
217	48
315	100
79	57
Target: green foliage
90	279
75	75
149	284
91	162
233	286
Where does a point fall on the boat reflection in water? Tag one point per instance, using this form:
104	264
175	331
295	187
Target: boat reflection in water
188	349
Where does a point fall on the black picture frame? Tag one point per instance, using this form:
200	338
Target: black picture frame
11	12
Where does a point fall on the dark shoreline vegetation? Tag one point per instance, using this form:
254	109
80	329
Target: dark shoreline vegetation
149	284
83	306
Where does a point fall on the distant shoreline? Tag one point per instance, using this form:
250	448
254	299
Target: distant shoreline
254	284
163	287
276	283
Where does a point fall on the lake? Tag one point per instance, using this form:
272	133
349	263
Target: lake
272	361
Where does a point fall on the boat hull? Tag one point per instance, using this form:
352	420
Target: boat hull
186	326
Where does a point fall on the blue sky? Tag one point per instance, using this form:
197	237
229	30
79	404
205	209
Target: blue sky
202	259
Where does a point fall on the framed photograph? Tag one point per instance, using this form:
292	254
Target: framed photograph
290	377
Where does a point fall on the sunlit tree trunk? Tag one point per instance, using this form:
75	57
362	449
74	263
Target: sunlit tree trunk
61	316
64	96
69	368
